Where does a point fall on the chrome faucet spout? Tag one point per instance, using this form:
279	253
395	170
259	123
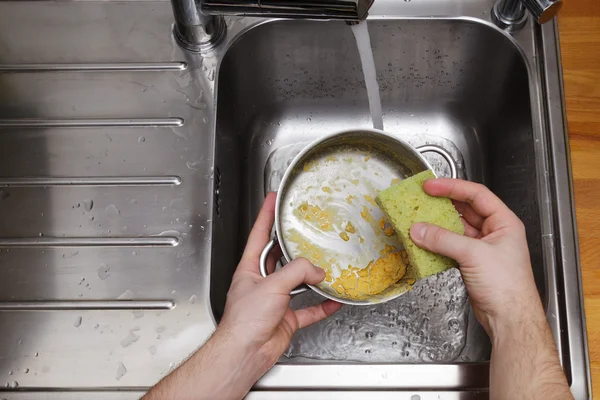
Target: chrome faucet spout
348	10
199	24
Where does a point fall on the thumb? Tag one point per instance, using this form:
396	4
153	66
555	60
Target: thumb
442	241
295	273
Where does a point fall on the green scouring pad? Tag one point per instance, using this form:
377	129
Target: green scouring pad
407	203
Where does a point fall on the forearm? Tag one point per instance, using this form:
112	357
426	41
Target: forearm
218	370
525	363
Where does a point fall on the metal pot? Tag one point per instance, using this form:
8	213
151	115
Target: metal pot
338	176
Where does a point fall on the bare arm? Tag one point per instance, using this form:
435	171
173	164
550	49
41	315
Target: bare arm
256	327
219	370
524	361
495	266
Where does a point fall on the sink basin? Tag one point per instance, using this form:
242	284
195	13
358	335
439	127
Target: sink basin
447	82
461	84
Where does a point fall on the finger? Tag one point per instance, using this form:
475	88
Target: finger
470	231
312	315
442	241
295	273
260	234
484	202
467	212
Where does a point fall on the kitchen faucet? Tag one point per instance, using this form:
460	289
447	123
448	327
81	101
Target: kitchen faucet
511	14
199	25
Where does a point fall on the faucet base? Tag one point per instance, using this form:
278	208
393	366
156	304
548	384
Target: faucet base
200	38
513	20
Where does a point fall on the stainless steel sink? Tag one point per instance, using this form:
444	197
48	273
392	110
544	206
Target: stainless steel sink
131	173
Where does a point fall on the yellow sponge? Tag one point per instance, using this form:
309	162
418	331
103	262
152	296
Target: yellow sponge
407	203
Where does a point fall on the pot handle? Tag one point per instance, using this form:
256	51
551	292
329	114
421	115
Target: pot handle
263	265
430	148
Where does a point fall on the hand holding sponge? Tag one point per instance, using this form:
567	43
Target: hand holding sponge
407	203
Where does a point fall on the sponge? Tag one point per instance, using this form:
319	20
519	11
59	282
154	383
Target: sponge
407	203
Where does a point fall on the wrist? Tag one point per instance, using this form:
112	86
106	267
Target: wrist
516	317
237	363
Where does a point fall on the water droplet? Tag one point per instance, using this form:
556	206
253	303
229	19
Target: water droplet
130	339
193	299
369	335
193	165
126	295
77	322
13	385
10	372
141	139
414	396
211	75
88	204
367	351
26	370
36	354
112	209
137	314
269	142
121	371
103	271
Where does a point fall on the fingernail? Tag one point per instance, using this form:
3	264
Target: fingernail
417	231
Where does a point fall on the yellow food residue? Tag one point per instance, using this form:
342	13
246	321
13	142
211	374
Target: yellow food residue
370	199
316	215
356	283
326	189
309	250
367	158
365	214
344	236
355	182
328	277
349	198
350	228
395	181
386	227
310	165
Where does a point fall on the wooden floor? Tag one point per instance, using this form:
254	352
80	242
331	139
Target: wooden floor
579	24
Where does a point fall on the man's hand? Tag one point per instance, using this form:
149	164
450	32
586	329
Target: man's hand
493	255
256	328
257	311
495	266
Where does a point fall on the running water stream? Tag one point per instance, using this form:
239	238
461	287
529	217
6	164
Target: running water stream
363	42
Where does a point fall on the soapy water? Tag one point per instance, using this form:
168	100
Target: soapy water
427	324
